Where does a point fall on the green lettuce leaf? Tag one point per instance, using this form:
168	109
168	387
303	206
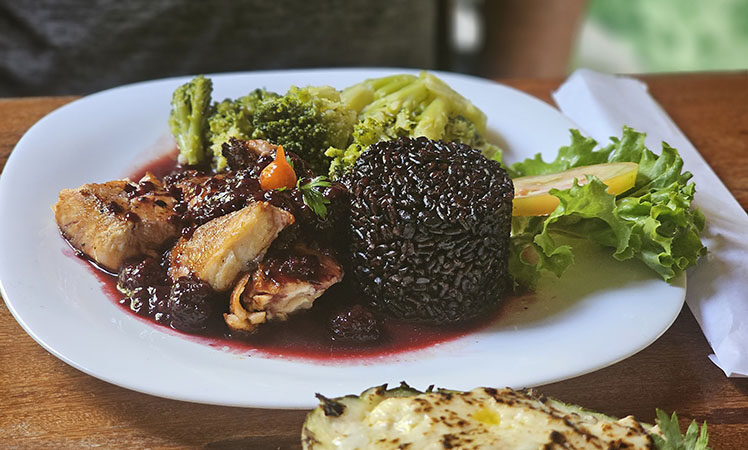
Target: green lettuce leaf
652	222
581	152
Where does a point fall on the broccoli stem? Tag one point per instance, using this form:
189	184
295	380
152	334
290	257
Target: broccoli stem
460	105
433	120
411	98
188	120
390	84
357	97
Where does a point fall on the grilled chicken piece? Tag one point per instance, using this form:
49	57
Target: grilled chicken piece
219	250
280	286
241	154
253	155
118	220
206	197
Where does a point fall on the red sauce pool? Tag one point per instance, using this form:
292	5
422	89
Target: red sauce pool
160	167
305	335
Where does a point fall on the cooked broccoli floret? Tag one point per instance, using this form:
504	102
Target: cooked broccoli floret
233	119
368	131
412	106
228	120
188	120
306	121
463	130
327	128
250	101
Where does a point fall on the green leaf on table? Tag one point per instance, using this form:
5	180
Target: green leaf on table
672	439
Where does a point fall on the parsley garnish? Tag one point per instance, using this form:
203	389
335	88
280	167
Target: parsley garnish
672	439
312	197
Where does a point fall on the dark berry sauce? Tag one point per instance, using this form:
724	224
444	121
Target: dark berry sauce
306	335
321	334
159	167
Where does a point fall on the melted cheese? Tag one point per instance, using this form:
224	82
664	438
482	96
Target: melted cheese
482	418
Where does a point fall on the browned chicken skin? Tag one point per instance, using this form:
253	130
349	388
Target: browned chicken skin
207	196
221	249
277	288
114	221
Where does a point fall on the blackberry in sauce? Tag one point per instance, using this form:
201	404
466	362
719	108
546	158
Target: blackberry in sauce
191	304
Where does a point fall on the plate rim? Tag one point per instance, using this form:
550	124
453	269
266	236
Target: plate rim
13	157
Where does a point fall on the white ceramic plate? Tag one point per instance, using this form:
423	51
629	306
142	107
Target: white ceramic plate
599	313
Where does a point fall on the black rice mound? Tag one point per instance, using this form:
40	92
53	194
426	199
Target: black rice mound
430	223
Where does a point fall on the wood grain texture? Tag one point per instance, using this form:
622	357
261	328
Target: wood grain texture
46	403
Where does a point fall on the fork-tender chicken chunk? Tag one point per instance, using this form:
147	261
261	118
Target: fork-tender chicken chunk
112	222
281	285
204	197
219	250
242	154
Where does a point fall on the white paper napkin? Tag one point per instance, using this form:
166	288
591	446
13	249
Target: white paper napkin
717	290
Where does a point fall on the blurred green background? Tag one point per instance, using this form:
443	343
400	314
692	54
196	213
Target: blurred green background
663	36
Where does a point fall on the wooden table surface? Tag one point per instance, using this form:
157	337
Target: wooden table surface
46	403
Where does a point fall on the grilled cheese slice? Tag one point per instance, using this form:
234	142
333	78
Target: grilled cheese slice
483	418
